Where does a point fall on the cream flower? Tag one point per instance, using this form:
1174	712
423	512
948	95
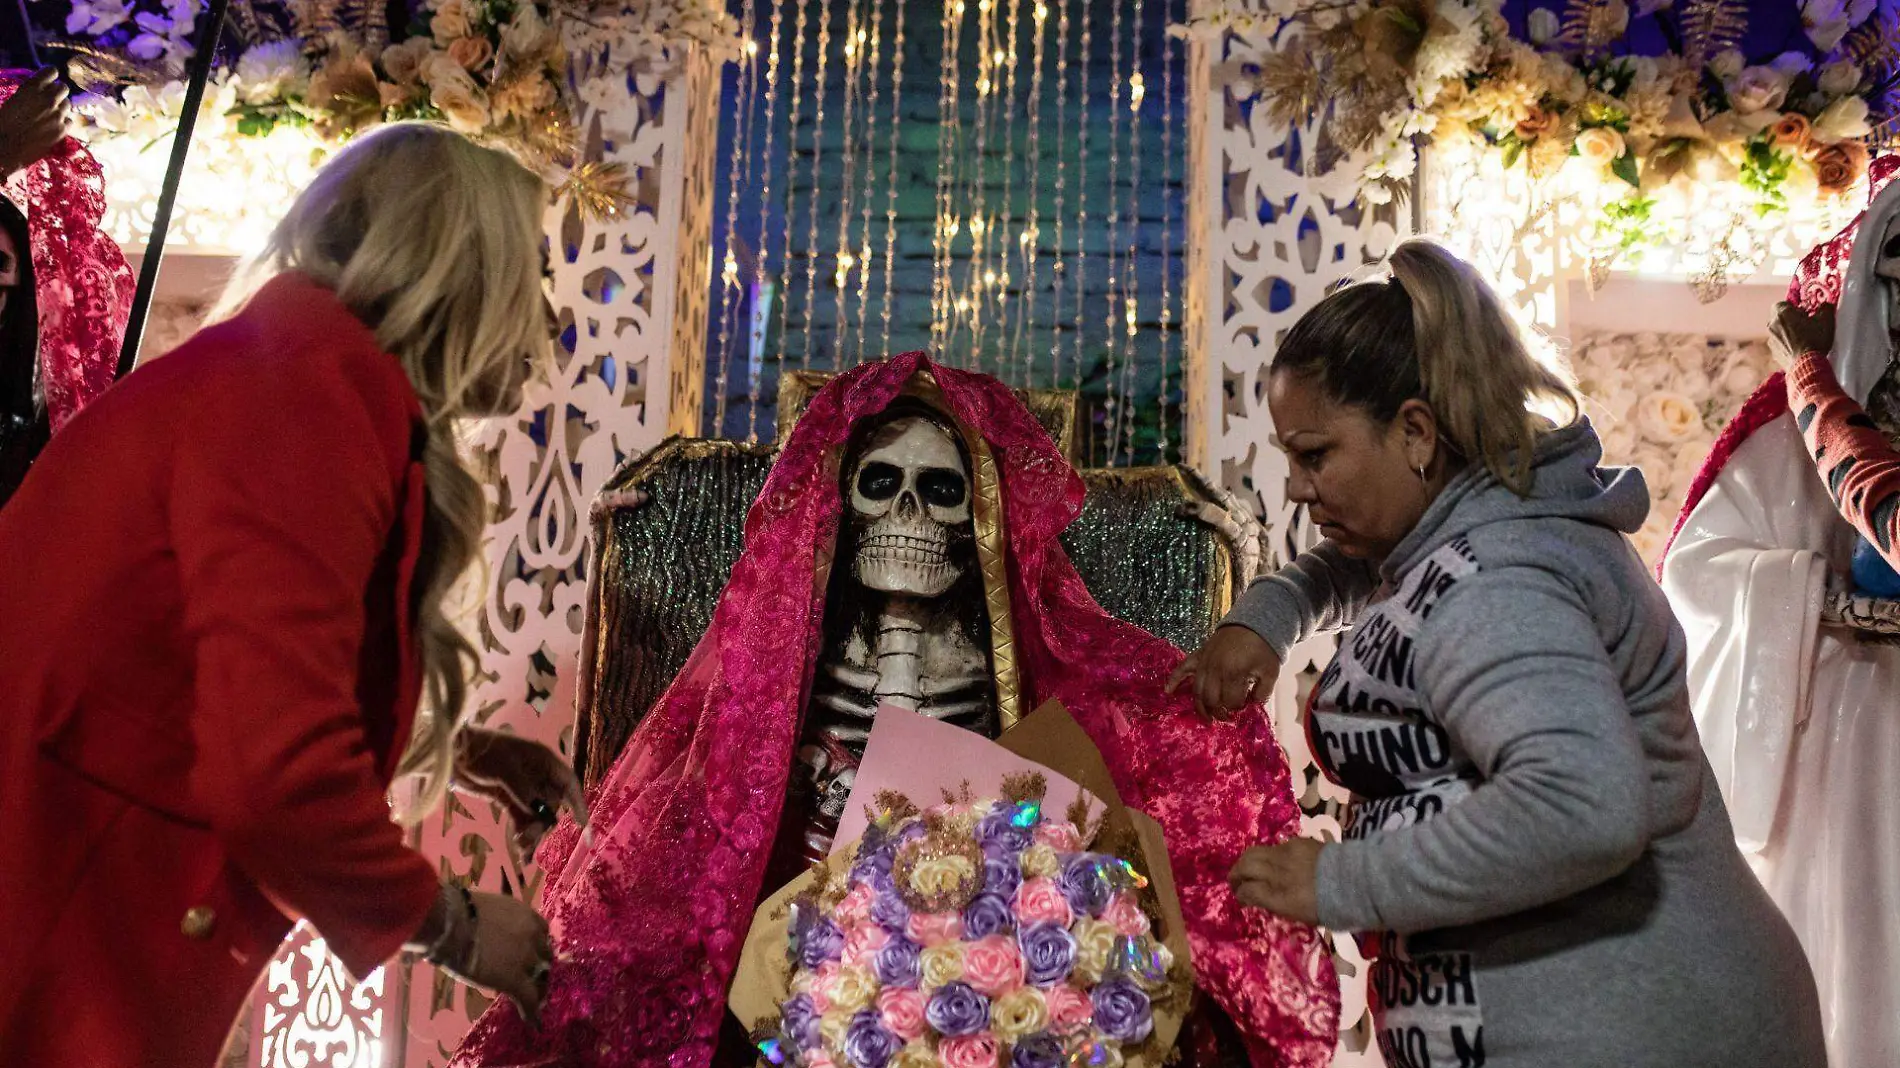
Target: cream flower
1727	64
1668	418
1600	146
403	62
1019	1013
941	965
1542	25
526	34
461	103
1839	78
450	21
849	989
1757	89
1843	120
915	1055
1095	947
270	69
941	875
1041	862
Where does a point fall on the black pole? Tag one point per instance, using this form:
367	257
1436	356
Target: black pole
207	46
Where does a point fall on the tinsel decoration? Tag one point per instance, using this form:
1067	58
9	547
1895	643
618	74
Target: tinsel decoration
1589	26
1710	27
598	188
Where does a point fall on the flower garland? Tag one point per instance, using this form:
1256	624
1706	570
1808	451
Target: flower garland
1573	97
497	70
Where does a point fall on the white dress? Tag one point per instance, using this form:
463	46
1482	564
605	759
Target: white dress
1802	725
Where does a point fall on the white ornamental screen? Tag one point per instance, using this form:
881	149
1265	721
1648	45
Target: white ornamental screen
1269	237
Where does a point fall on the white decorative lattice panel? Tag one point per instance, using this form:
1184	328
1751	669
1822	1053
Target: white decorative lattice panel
309	1012
1269	239
631	296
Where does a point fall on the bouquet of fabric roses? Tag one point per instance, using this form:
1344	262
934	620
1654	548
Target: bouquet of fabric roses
982	932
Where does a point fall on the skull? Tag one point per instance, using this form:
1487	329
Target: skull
910	496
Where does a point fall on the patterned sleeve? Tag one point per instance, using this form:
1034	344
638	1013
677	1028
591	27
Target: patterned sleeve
1860	467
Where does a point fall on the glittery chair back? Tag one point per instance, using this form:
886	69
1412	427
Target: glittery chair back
669	526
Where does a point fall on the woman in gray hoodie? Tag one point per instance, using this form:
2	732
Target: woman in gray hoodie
1536	851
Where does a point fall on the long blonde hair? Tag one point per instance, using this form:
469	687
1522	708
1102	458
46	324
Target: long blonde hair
1437	332
435	243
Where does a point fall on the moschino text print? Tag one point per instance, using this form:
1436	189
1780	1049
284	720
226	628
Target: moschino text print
1371	732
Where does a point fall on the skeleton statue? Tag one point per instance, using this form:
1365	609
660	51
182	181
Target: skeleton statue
1790	619
905	624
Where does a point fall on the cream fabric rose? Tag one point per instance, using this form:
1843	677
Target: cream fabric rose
934	876
1041	862
849	989
942	964
1843	120
450	22
1095	947
1757	89
1839	78
1668	418
833	1026
915	1055
1019	1013
1600	146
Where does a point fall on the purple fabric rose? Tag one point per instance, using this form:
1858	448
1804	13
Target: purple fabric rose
1122	1011
799	1020
1049	953
956	1010
1085	884
1040	1050
867	1043
889	911
1002	875
878	879
823	942
998	830
988	914
900	963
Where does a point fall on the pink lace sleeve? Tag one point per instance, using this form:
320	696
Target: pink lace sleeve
84	285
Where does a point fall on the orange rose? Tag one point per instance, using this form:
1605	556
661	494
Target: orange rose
471	52
1535	124
1790	131
1838	166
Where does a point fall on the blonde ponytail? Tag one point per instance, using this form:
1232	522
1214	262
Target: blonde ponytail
1474	367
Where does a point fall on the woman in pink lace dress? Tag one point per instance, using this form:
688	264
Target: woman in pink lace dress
650	919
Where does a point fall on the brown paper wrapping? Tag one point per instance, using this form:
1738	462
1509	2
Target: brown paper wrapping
1050	737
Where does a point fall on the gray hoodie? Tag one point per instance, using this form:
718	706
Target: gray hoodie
1537	846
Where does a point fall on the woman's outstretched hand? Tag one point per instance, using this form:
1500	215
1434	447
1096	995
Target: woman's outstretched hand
527	778
495	942
32	121
1282	879
1228	671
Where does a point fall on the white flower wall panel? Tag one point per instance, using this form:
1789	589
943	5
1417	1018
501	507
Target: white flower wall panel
631	297
1270	239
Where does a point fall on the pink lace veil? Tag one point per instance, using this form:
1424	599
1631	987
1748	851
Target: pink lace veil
1820	278
650	919
83	284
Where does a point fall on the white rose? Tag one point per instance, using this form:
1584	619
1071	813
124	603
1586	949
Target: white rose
1600	146
1844	120
1619	443
1839	78
1691	358
1542	25
1668	418
1826	22
1622	350
1688	463
526	34
1651	375
1727	64
1658	470
460	101
1649	544
1757	89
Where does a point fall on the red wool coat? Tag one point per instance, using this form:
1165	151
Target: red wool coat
207	675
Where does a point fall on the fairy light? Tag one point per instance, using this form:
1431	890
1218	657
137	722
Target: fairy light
1060	202
973	187
1031	239
817	177
870	165
765	199
1111	333
853	78
729	275
890	188
1132	276
1167	243
1012	33
791	181
1080	278
942	308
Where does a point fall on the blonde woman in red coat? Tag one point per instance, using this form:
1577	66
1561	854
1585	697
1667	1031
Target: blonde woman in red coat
221	608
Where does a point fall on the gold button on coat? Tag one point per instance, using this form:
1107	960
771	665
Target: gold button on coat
198	923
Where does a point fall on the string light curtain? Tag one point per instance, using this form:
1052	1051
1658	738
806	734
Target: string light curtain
1019	213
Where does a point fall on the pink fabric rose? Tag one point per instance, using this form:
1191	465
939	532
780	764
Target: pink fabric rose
1125	916
936	928
994	966
1069	1008
818	1058
861	944
980	1050
903	1013
855	909
1059	835
1042	901
820	983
